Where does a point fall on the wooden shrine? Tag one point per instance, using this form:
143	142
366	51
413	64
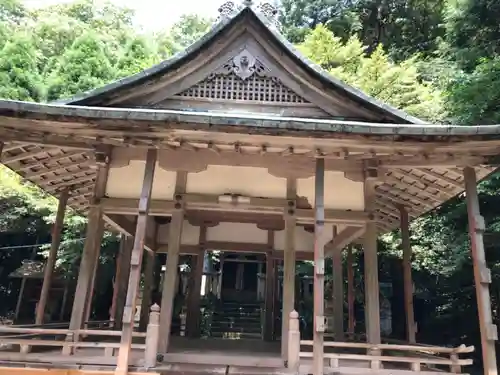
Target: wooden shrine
240	144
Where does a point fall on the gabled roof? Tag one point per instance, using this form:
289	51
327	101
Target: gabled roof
246	14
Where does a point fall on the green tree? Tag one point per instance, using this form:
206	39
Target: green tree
19	78
82	67
189	29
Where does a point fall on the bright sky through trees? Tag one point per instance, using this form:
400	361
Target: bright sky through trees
154	14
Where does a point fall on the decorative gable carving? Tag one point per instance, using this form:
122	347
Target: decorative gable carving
244	78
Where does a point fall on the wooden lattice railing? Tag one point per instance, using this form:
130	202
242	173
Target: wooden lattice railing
414	356
28	337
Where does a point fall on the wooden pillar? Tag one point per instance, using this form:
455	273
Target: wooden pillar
147	291
169	281
95	267
408	282
136	263
319	268
269	297
482	274
338	295
372	304
92	244
196	276
350	292
51	260
288	266
121	279
63	302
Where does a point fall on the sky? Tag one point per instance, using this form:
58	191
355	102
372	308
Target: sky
154	14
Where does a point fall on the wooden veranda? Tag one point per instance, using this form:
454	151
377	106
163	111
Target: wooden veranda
240	144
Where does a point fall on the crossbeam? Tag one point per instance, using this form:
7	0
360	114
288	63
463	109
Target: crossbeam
344	238
266	206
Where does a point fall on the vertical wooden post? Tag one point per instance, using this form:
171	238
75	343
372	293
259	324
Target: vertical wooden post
293	359
482	274
269	299
372	303
408	282
152	337
288	265
23	281
147	290
350	292
193	312
136	263
121	282
92	243
319	268
169	281
63	302
51	260
95	267
118	271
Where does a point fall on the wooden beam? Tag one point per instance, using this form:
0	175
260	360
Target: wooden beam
196	276
372	304
169	282
51	260
288	299
42	162
482	274
91	246
319	269
27	155
147	290
270	207
121	280
342	239
135	264
408	282
441	177
447	191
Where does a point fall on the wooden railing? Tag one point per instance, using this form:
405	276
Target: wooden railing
415	356
29	337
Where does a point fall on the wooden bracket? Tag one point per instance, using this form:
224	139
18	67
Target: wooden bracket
320	323
492	332
479	223
485	274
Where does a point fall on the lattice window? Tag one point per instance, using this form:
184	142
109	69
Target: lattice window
231	87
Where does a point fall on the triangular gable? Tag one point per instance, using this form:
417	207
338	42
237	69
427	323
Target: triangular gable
280	76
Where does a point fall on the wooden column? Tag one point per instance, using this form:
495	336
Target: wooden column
136	263
269	298
319	268
372	304
338	295
196	276
51	260
92	244
350	292
169	281
482	274
408	282
95	267
288	266
147	291
121	279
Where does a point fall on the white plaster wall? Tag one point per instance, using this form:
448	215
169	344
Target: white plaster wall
237	232
190	234
248	181
126	182
340	192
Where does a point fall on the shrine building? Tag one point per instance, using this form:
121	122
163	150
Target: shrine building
239	149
